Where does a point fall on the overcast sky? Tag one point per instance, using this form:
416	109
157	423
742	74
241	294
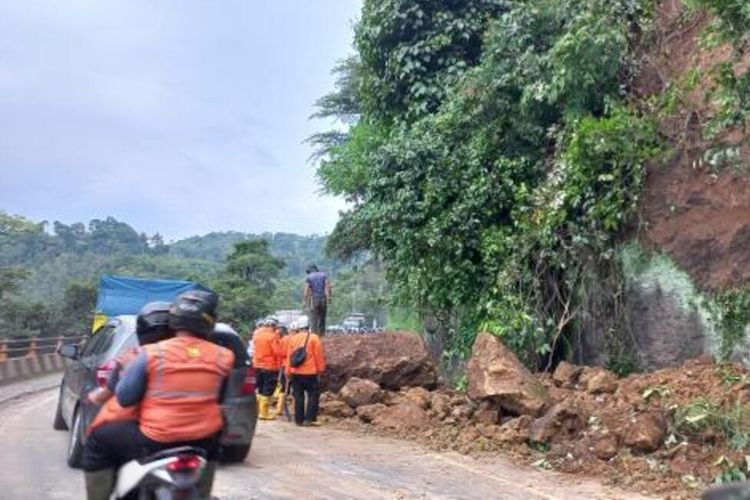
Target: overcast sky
181	117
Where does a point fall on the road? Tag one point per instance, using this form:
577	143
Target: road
286	462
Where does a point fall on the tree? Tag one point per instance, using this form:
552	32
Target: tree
464	168
248	282
10	280
77	311
342	104
14	225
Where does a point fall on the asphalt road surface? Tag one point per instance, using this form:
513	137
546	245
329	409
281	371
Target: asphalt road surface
286	463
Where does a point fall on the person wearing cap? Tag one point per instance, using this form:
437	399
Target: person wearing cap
104	450
304	371
267	357
178	384
317	295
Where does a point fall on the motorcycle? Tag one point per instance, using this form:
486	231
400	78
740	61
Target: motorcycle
171	474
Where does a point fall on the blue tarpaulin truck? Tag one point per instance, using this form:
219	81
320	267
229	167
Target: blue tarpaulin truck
121	295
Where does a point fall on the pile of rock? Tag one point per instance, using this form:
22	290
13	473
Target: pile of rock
391	359
390	382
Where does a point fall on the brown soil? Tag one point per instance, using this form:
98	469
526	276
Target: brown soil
702	221
685	458
699	218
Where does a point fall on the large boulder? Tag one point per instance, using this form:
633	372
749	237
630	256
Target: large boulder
391	359
368	413
566	374
336	409
564	421
360	392
515	431
406	415
419	395
646	432
606	447
597	380
495	374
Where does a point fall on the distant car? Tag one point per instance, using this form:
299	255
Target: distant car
91	362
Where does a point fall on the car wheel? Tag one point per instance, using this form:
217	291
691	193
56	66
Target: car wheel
234	454
75	443
59	422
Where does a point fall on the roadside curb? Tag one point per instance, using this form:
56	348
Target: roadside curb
17	369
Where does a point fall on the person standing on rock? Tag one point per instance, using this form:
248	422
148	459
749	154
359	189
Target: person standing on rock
317	295
305	363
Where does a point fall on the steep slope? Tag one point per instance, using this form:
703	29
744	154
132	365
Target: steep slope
697	208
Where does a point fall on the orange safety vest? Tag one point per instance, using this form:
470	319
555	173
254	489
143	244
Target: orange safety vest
268	353
185	375
111	410
315	361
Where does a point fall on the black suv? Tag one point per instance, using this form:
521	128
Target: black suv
91	362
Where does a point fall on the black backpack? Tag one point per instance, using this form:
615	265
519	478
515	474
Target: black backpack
299	355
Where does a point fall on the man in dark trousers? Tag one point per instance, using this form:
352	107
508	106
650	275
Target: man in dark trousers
317	295
305	375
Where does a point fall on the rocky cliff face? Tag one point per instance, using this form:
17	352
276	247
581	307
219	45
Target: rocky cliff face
695	219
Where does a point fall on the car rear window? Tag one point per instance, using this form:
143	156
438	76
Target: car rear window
99	342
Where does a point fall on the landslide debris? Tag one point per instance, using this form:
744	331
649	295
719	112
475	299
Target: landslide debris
496	375
391	360
668	433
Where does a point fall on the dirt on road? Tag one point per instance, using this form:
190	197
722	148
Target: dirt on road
289	462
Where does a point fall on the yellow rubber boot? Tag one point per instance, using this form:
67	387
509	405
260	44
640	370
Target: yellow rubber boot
280	404
263	403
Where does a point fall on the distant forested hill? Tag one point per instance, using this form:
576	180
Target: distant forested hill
49	272
297	251
58	254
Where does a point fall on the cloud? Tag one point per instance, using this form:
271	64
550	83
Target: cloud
178	121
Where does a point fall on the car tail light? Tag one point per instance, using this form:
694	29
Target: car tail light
103	373
248	386
184	463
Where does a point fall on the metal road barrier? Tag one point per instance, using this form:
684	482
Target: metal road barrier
24	358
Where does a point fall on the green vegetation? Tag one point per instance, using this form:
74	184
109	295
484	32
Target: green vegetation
703	417
248	282
733	314
494	161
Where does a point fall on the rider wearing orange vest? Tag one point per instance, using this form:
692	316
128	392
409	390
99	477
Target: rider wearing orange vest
103	450
178	383
267	362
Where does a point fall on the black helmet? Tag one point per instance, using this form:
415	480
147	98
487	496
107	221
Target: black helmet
194	311
152	323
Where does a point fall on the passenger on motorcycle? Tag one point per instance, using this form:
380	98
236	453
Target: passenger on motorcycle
178	384
104	450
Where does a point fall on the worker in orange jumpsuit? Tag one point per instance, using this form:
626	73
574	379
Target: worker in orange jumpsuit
267	362
100	456
305	363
